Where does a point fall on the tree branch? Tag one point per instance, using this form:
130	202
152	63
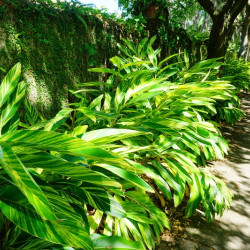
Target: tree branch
228	5
209	7
238	7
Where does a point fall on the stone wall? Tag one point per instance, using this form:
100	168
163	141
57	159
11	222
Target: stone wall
55	49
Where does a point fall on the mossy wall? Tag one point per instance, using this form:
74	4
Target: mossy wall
55	49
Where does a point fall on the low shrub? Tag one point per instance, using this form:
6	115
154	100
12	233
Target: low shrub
84	178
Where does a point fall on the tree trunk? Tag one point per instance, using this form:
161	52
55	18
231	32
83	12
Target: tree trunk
245	43
220	35
223	24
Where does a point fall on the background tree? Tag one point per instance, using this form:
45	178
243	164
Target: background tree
216	16
223	14
155	12
245	43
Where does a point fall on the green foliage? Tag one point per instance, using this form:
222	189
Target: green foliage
42	206
11	95
83	179
36	198
173	108
55	47
136	7
238	72
156	114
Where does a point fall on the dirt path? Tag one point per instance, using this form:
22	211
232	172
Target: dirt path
232	230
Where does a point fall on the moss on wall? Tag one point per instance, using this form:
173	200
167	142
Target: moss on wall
55	49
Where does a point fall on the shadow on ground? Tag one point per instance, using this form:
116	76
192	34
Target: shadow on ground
232	230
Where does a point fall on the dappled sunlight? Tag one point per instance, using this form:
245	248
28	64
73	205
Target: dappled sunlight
124	130
232	230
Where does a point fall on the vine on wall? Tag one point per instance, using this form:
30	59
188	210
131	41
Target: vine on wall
55	47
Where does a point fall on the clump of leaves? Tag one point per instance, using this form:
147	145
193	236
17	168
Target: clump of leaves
83	179
47	180
170	105
238	72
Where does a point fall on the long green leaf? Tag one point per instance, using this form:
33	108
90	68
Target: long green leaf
102	242
100	199
107	135
67	144
12	105
58	165
9	83
104	70
24	181
58	120
144	201
131	177
67	231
